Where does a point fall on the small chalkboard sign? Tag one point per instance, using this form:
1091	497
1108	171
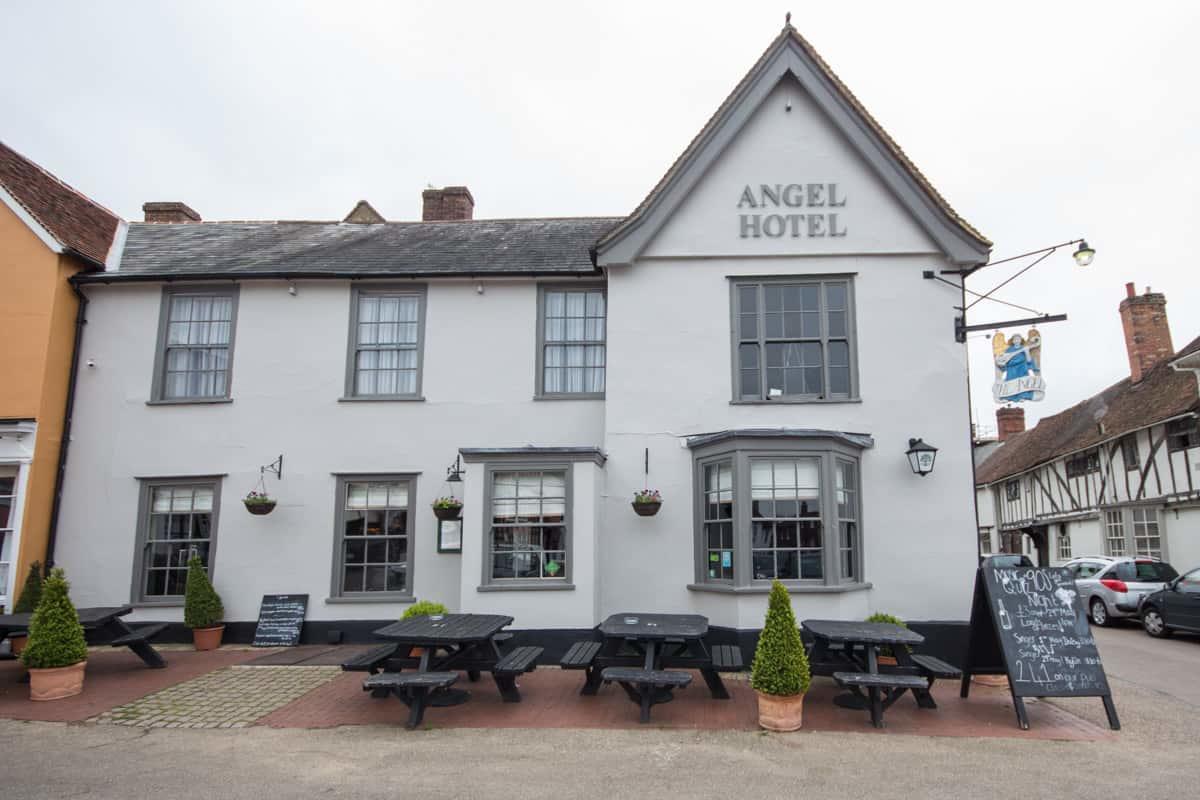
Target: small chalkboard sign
1030	624
280	618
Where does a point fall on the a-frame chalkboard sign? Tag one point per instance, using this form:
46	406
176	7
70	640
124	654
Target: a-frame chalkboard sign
1030	625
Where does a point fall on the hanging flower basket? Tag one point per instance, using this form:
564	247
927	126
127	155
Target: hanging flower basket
647	502
259	504
447	508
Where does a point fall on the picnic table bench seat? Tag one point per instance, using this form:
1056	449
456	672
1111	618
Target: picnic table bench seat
372	660
874	683
580	655
934	667
727	658
646	686
413	689
505	672
140	634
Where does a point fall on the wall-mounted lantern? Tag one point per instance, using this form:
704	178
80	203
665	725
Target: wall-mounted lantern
921	456
1084	254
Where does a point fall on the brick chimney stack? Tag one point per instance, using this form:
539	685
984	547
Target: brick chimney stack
450	203
1147	336
169	212
1009	422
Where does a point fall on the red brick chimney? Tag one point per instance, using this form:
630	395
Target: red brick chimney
450	203
1009	422
1147	336
169	212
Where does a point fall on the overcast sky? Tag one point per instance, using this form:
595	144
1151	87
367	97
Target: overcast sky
1039	121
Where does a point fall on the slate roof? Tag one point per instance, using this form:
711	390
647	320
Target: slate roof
1163	393
75	221
335	249
790	32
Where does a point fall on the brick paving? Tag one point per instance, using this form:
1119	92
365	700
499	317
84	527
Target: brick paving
233	697
551	699
114	677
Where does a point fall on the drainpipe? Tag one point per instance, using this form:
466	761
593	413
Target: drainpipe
68	413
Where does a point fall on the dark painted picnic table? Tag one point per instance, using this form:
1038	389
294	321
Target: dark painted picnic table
104	622
656	642
847	646
451	642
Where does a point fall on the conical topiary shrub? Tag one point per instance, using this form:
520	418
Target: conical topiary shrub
202	609
57	651
780	672
31	592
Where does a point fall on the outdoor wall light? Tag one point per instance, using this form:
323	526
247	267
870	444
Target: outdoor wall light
920	456
454	472
1085	254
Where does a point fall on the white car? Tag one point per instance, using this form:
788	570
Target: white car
1113	587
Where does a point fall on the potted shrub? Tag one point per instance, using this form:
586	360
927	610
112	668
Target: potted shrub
647	502
27	603
259	503
886	656
56	653
422	608
202	609
447	508
780	674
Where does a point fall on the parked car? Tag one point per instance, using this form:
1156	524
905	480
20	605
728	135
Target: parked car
1113	587
1175	607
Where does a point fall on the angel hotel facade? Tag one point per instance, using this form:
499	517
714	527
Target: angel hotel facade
732	342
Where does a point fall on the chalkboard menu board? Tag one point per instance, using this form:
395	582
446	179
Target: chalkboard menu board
280	618
1030	624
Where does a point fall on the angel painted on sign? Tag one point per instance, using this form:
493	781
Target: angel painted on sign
1018	367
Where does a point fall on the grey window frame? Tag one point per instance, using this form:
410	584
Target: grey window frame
1129	442
1012	490
821	280
1090	458
985	540
146	487
1129	529
519	464
357	290
1064	538
539	388
742	451
339	535
158	381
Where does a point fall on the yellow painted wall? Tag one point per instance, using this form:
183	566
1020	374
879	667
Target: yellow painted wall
37	335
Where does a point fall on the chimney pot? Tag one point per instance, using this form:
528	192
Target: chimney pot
173	211
1147	335
447	204
1009	422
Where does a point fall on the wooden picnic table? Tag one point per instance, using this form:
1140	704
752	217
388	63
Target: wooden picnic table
105	623
448	643
848	651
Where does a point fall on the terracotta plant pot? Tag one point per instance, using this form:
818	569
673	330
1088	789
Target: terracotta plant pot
17	642
995	681
207	638
780	713
447	512
646	509
887	660
260	509
56	683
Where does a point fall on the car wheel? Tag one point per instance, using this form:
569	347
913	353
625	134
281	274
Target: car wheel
1153	624
1099	613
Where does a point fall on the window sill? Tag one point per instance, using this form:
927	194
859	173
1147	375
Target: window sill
168	603
792	588
197	401
526	587
384	398
383	597
796	401
577	396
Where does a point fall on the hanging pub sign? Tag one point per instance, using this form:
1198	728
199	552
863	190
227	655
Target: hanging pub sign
1018	362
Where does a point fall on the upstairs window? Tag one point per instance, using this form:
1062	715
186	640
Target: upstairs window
1083	463
386	333
1182	434
571	349
1012	490
793	340
1129	452
195	345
